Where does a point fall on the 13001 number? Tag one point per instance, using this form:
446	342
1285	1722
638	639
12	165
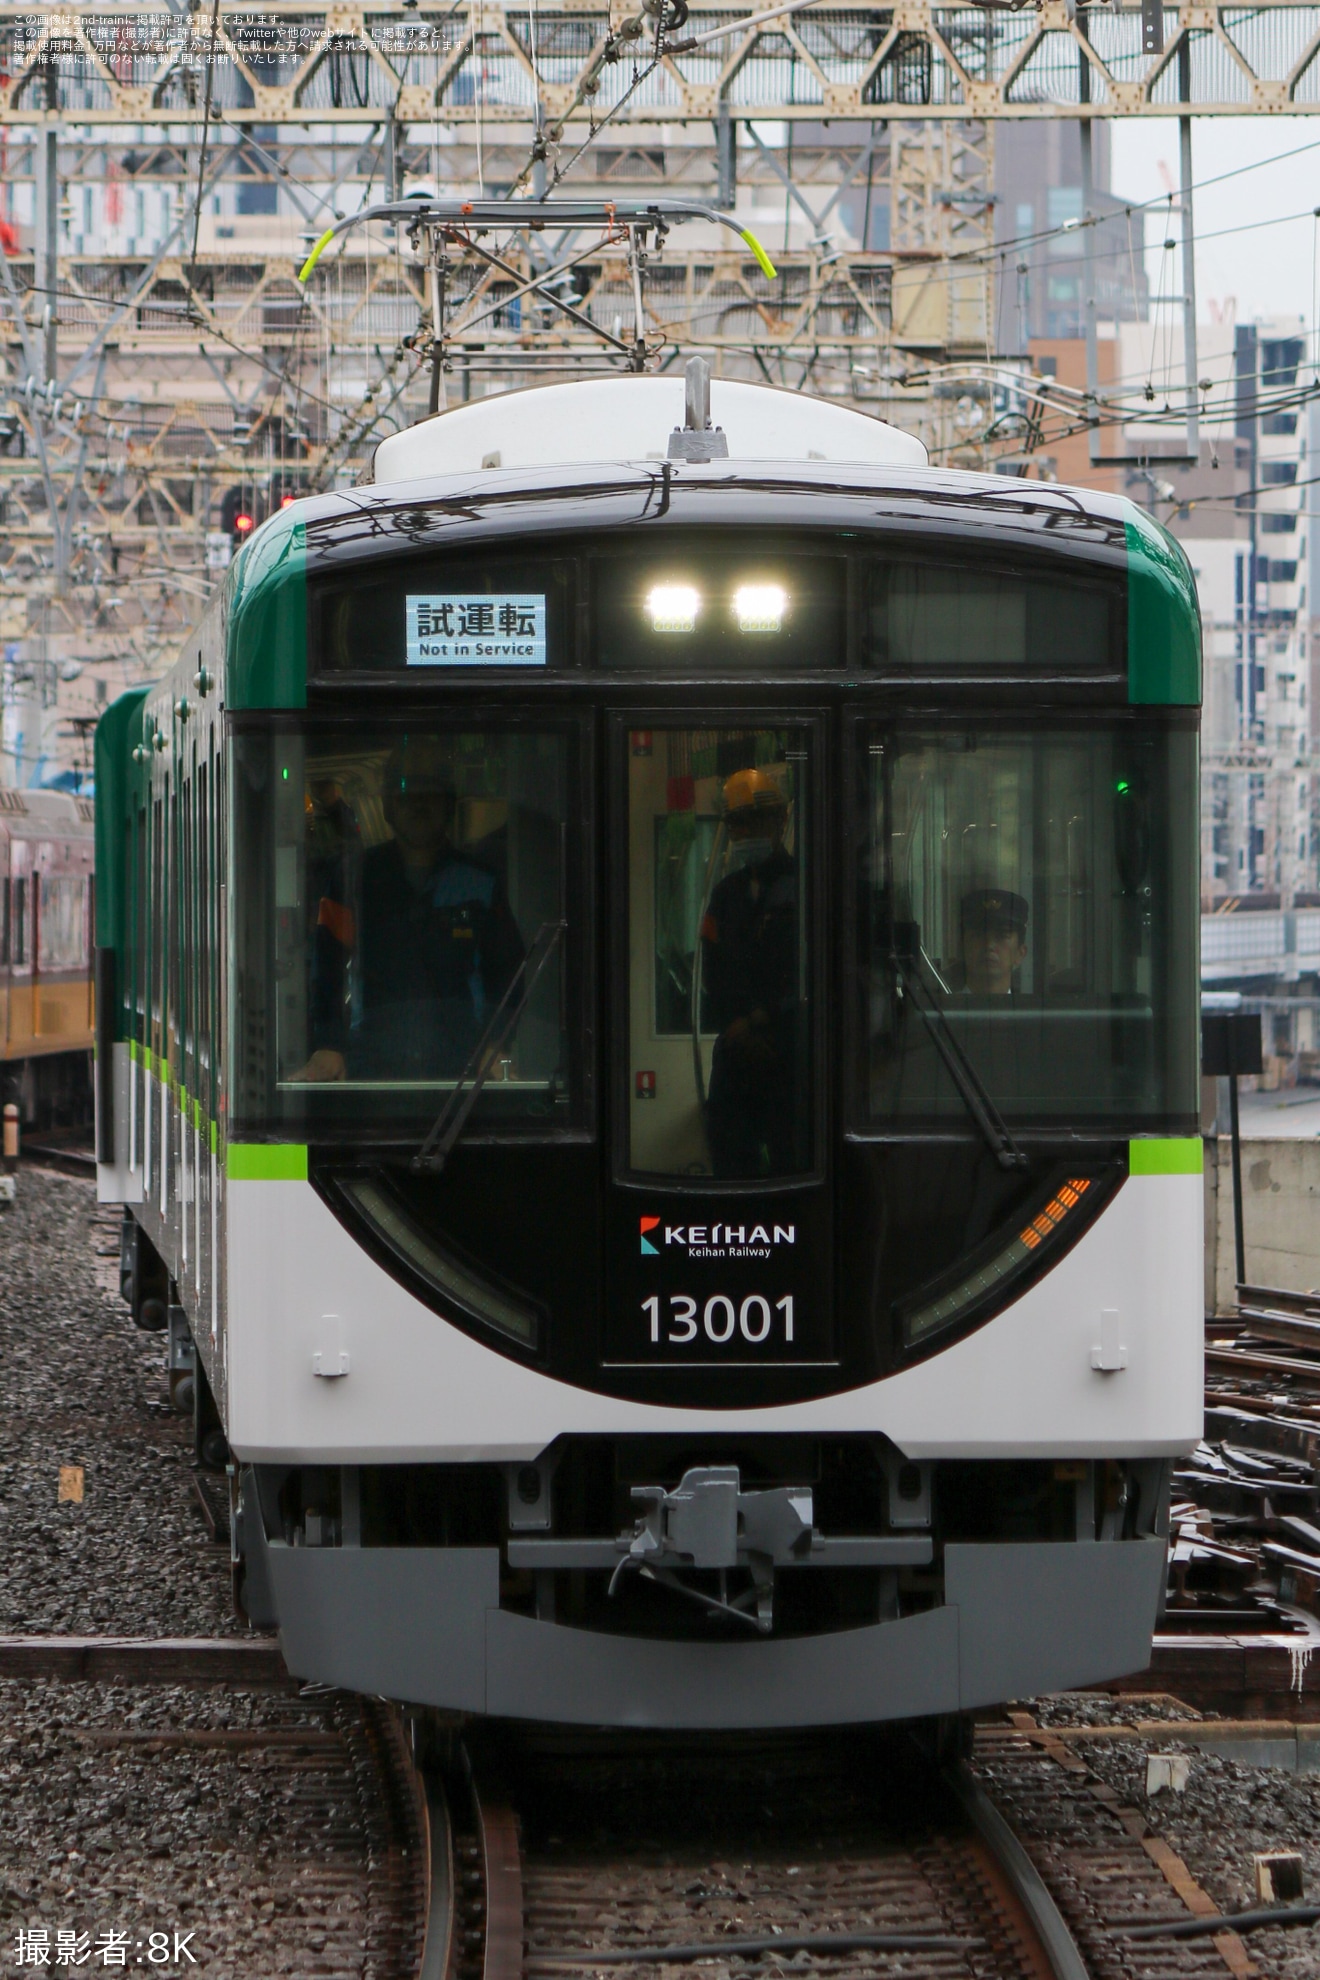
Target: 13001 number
721	1318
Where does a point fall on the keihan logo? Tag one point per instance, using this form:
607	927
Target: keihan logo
717	1240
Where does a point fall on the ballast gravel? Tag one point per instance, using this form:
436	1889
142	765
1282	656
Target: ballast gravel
1226	1815
133	1811
81	1386
143	1829
178	1828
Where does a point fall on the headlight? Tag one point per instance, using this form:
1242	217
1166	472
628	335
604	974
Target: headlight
760	607
673	608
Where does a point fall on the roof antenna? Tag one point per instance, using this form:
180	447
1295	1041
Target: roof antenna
697	439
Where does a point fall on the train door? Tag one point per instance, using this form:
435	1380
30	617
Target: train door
6	940
720	1246
19	1031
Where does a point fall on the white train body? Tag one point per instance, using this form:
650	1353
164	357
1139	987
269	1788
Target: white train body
711	1236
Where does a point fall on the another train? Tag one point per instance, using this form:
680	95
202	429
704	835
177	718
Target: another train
46	991
649	1042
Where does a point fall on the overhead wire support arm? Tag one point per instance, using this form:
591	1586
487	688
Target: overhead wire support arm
473	215
535	285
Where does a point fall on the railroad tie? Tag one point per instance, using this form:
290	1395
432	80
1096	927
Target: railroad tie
1167	1861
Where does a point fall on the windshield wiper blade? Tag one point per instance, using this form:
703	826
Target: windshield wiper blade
452	1118
959	1067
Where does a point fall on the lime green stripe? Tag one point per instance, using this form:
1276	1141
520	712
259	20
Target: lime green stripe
261	1161
189	1104
1182	1157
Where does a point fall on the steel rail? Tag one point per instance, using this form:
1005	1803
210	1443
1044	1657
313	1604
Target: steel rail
1015	1895
1046	1920
438	1941
501	1860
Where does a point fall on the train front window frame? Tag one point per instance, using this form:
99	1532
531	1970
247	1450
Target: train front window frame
969	986
671	600
330	1042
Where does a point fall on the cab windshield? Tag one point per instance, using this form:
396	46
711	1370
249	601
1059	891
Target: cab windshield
399	889
1028	927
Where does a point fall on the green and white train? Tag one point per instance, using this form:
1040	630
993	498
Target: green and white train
647	1038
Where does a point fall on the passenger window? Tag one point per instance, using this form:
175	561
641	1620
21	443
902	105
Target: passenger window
719	1068
18	954
63	922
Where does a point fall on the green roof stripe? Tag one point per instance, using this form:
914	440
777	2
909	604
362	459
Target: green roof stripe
265	1161
1164	617
1182	1157
268	617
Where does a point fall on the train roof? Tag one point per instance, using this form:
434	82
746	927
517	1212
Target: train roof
45	814
969	512
628	418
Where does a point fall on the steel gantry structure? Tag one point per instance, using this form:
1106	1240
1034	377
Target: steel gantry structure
486	62
163	362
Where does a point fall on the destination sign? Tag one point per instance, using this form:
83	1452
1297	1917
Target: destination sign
491	630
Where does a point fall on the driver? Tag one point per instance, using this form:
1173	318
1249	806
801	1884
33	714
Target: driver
749	959
437	944
994	940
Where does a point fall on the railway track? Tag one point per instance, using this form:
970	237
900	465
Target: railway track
531	1855
844	1857
69	1151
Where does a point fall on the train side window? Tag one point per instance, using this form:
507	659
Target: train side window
174	939
719	953
63	911
139	936
4	922
203	967
188	931
155	989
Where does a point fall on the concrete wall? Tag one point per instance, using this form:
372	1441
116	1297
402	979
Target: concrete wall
1280	1217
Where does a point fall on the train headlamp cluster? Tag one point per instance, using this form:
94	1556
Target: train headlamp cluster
760	607
673	608
757	608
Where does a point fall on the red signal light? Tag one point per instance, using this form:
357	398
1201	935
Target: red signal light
287	501
242	524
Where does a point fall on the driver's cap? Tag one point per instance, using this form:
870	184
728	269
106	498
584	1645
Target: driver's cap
995	907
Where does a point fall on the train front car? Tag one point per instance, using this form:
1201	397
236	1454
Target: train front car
695	1219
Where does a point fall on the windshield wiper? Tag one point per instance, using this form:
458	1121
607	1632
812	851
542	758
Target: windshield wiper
959	1067
452	1118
